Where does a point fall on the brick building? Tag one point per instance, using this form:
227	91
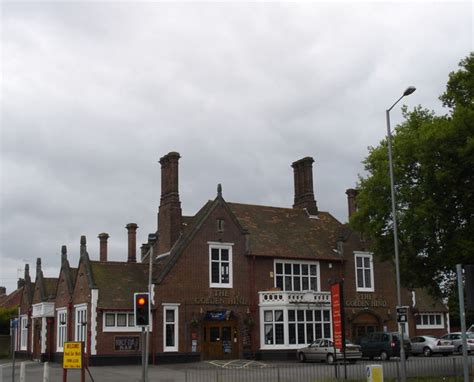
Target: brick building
234	280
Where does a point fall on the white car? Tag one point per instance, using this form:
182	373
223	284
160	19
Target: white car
457	341
429	345
323	350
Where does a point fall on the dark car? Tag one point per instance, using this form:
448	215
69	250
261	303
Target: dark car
384	345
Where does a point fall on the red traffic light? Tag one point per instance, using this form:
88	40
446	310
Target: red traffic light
142	309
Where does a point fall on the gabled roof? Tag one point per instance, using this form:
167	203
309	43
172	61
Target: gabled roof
69	275
288	233
13	299
50	284
118	281
46	286
192	227
425	302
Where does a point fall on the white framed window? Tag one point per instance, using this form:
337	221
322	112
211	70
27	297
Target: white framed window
80	333
364	271
170	327
430	321
23	332
274	327
119	322
220	265
61	329
297	275
305	326
290	327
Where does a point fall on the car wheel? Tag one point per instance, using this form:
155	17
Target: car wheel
330	359
301	357
384	356
460	349
445	354
427	352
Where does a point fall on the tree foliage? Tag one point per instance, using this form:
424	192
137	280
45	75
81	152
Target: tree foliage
5	315
433	158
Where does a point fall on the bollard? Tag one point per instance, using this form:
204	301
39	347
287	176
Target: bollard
374	373
23	372
46	372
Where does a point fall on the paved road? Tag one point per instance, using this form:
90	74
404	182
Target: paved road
245	370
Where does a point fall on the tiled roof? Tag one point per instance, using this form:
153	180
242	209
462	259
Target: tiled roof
425	302
13	299
50	284
118	281
288	233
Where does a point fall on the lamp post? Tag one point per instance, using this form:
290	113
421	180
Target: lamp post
407	92
151	240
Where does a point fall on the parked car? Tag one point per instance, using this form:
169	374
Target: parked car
384	345
323	350
429	345
457	341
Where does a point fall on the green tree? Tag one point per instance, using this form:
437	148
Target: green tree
433	158
5	315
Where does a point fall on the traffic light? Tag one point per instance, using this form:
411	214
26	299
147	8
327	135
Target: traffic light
141	305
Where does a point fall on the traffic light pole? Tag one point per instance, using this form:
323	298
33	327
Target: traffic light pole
143	356
151	239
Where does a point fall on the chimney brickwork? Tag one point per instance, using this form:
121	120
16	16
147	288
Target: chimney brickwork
169	213
132	242
351	201
103	237
303	179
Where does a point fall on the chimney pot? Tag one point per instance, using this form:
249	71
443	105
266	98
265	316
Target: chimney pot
3	291
103	246
132	242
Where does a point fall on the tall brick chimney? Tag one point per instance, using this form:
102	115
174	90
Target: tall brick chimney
63	254
38	266
169	213
351	201
132	242
103	246
303	177
27	272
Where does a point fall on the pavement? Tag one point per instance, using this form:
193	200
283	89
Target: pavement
129	373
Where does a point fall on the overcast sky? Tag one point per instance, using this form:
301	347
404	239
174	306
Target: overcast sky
94	93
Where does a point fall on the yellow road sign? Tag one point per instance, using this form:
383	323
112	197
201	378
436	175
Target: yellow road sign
72	355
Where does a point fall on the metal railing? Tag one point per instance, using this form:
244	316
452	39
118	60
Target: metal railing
429	369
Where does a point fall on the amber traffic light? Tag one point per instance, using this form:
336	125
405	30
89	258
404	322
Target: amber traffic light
141	305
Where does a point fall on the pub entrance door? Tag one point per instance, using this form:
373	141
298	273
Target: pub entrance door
220	340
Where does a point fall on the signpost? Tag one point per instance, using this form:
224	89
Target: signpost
73	358
402	314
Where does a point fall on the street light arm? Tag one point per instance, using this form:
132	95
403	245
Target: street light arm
397	101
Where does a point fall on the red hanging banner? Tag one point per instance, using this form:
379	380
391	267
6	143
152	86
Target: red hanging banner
336	315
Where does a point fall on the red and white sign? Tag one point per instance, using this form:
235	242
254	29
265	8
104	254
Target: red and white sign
336	315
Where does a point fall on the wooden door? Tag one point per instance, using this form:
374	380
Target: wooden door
220	340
